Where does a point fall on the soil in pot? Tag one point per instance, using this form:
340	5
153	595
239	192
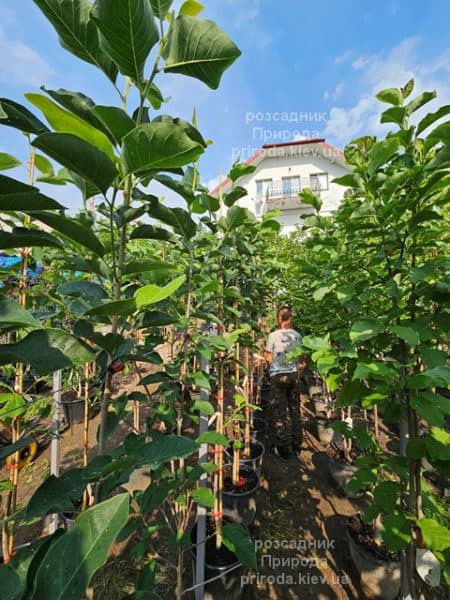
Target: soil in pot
379	569
239	499
218	561
255	460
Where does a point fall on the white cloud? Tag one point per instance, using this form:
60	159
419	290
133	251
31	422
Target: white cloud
334	94
21	64
345	56
389	69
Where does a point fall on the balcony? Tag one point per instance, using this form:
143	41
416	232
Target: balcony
282	196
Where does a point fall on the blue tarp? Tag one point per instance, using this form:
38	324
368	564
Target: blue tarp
8	262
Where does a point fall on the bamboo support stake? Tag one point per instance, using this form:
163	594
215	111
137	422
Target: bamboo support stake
218	474
248	412
86	429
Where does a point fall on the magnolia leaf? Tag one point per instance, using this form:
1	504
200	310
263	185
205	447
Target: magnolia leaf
116	120
77	33
47	350
307	196
12	313
430	118
166	448
435	535
212	437
7	161
236	539
191	8
15	115
64	121
72	229
23	238
127	33
178	218
396	531
240	170
59	576
199	48
151	294
381	153
158	145
390	96
408	334
161	7
365	330
77	155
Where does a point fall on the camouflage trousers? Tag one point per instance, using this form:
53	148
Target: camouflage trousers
284	424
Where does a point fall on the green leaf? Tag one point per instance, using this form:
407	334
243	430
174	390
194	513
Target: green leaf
117	122
12	313
122	308
386	495
232	197
72	229
374	369
43	164
240	170
64	121
431	118
150	232
146	265
79	156
7	161
77	33
13	406
150	294
308	197
56	494
236	216
154	496
178	218
395	114
390	96
165	448
18	196
191	8
381	153
76	103
161	7
198	48
127	33
10	583
441	133
428	405
236	539
435	535
408	334
158	145
396	531
365	330
23	238
204	497
15	115
419	101
204	407
212	437
47	350
60	576
322	291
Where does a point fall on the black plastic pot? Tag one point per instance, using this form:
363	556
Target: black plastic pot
259	429
240	504
73	410
217	562
255	460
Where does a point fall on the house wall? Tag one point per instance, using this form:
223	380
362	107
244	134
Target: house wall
289	166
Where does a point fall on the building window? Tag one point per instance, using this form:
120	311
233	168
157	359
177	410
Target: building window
290	186
263	187
318	182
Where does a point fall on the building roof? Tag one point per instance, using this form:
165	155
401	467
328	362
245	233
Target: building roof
282	149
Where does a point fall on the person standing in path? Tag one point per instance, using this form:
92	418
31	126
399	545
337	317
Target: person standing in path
284	404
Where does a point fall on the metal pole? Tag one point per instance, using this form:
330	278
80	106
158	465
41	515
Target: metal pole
55	451
201	510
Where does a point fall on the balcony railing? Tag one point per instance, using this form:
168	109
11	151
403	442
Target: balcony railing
283	197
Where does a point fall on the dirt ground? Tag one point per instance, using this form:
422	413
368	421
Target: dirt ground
299	528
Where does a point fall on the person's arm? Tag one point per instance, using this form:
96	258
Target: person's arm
268	357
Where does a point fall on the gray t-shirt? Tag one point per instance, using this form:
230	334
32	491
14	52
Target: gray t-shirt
280	343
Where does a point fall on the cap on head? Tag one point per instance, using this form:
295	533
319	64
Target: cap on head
284	313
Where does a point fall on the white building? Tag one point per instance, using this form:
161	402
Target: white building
282	171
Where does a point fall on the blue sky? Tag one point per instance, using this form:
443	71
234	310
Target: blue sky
320	60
